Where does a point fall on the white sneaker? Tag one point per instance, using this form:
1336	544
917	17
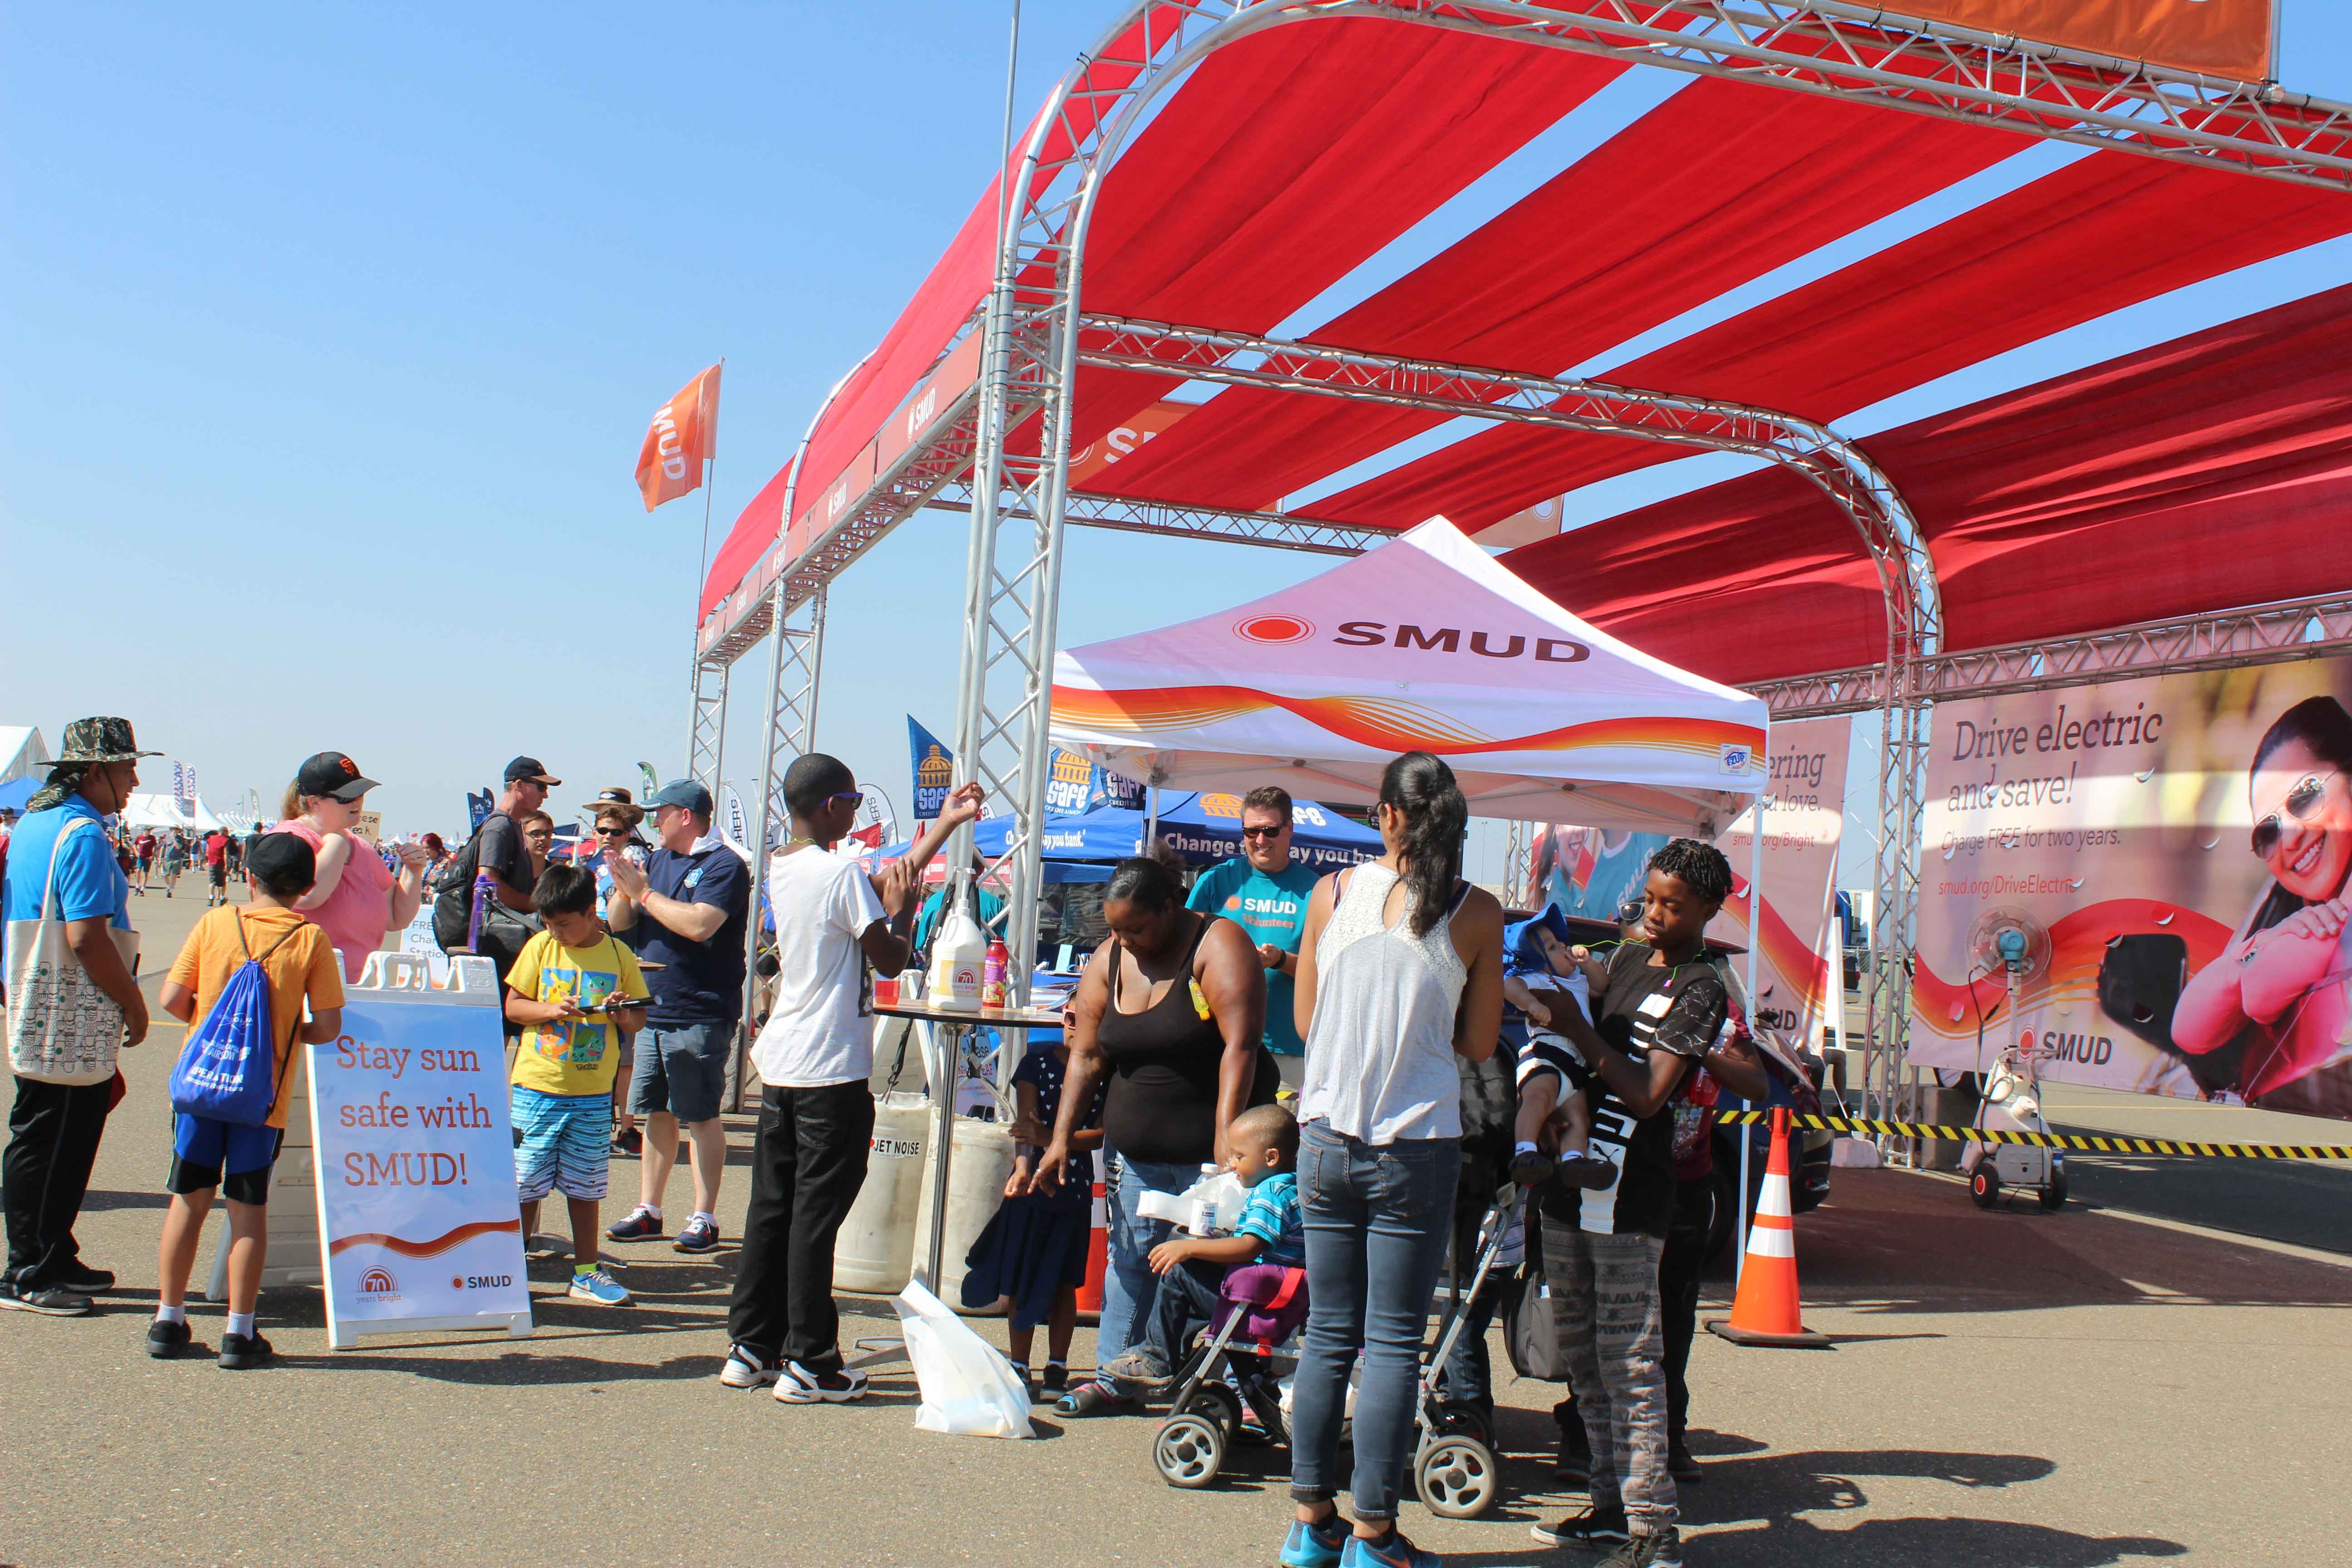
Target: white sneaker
744	1369
799	1385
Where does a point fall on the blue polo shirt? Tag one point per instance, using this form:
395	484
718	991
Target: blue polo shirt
702	982
90	882
1272	909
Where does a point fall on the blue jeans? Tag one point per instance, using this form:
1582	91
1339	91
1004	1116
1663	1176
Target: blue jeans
1377	1217
1129	1287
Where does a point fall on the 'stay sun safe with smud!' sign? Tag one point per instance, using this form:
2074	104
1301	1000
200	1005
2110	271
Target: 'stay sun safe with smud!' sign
418	1221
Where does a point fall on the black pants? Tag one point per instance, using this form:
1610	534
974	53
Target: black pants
54	1131
1679	1267
1678	1272
1181	1306
806	1167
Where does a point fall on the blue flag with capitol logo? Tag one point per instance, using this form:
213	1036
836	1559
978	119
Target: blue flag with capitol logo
934	767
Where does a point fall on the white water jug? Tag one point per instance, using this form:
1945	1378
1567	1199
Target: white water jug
875	1251
959	953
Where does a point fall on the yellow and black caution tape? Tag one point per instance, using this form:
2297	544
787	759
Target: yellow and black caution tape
2082	1143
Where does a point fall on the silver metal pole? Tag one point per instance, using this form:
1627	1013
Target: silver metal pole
1755	940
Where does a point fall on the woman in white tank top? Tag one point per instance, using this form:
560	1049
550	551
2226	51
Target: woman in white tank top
1401	969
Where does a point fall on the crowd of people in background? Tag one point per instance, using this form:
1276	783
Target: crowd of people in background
1318	1037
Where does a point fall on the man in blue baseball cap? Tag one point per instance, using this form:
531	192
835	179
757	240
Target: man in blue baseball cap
693	898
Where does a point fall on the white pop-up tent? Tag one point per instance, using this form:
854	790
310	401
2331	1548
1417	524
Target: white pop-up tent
165	811
1425	644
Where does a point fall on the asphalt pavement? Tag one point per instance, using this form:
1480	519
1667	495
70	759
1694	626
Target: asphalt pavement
2010	1388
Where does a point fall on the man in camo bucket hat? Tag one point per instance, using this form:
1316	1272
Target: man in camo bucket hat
54	1127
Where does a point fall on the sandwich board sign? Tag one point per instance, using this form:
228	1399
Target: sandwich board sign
418	1224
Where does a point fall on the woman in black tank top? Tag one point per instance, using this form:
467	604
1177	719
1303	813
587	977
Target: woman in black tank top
1172	1015
1164	1067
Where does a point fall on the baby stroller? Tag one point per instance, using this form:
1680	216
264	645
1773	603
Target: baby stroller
1454	1467
1261	1305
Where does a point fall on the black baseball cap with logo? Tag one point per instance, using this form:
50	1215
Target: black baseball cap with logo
333	774
284	863
534	770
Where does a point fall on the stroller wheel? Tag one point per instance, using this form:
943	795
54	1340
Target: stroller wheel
1457	1478
1218	1400
1189	1451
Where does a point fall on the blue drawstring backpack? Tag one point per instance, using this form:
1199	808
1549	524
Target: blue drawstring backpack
228	1070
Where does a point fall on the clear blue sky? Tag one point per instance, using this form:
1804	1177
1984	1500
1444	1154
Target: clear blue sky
332	333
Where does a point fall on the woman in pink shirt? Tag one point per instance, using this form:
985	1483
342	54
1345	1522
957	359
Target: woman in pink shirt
356	899
2280	993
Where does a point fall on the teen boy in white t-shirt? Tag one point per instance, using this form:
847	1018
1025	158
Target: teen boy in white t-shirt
814	1055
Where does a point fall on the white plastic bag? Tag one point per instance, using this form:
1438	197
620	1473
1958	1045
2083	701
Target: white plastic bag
969	1389
1225	1189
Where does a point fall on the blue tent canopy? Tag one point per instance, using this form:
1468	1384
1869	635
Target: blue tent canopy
16	792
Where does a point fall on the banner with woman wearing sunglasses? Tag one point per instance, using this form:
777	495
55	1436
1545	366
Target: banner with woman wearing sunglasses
2186	843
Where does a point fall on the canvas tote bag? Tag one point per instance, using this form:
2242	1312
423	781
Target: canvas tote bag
61	1027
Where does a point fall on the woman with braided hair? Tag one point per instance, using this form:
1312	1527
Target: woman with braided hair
1401	970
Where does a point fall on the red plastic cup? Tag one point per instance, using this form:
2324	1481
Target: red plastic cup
886	991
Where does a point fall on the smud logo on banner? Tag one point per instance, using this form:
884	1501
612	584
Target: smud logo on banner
2122	818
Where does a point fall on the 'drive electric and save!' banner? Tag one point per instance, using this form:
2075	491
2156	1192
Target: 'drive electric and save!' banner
2192	953
415	1161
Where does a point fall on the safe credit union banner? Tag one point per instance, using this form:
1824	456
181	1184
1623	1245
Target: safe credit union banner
2193	954
417	1213
2219	38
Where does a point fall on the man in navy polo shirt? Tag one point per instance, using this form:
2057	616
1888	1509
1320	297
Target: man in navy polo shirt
54	1127
694	896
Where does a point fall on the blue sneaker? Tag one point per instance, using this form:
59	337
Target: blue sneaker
598	1287
1398	1553
700	1236
1315	1545
641	1226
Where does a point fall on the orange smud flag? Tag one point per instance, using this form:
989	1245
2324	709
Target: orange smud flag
684	434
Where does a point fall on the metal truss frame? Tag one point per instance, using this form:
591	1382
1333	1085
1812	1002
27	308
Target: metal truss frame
2265	633
1031	329
706	730
1876	55
1174	520
1839	469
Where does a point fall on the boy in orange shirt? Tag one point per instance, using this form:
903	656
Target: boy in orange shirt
300	964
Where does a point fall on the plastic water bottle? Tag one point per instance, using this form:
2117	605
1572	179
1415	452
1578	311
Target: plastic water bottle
483	883
1203	1222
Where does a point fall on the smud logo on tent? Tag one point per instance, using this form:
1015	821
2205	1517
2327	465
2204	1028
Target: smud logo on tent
1273	628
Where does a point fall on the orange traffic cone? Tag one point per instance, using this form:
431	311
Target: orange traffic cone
1090	1294
1765	1311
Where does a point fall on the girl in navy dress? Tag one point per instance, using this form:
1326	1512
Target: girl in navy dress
1034	1253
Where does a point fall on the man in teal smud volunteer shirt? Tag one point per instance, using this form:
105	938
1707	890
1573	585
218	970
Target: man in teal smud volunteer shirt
1266	894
